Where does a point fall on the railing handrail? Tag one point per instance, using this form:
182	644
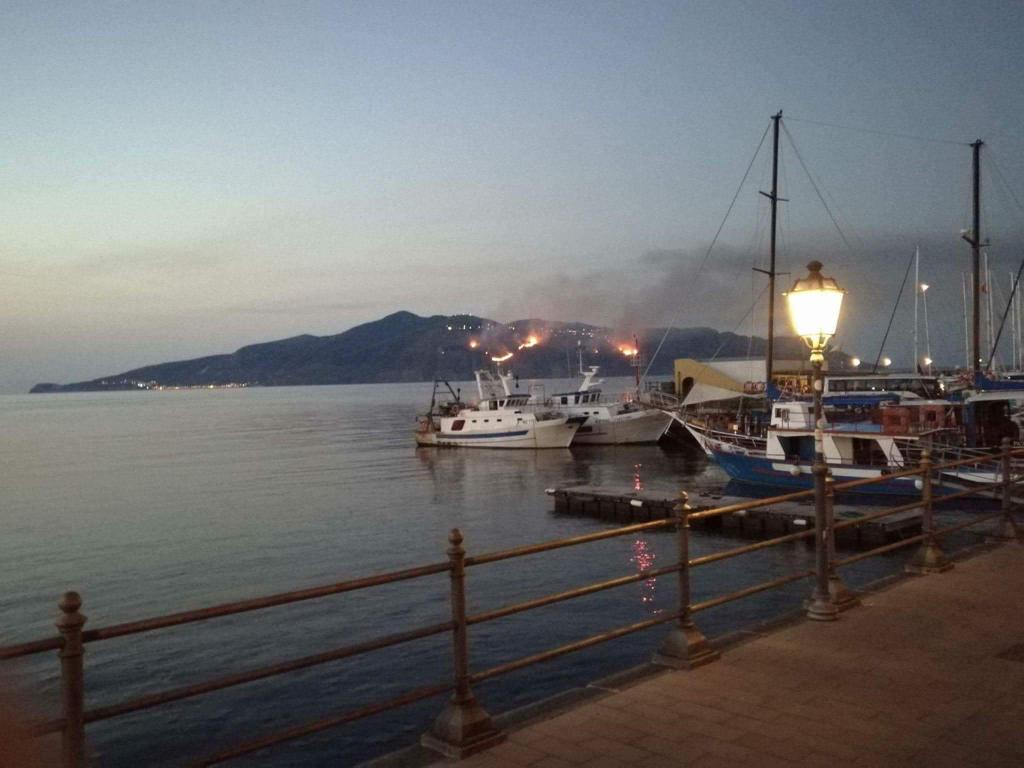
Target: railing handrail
285	598
685	645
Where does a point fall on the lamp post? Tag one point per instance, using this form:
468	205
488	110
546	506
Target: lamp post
814	304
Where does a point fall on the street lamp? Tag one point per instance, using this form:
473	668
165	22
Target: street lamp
814	304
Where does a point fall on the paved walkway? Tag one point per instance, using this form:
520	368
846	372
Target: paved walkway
929	672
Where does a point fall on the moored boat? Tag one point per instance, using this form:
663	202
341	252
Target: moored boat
608	423
500	419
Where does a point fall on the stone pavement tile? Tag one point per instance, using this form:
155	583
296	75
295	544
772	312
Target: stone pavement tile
765	746
714	746
668	748
608	762
703	713
513	754
624	732
553	762
608	747
568	751
528	735
661	761
943	753
654	713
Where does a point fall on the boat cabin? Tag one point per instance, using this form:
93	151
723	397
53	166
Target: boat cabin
912	385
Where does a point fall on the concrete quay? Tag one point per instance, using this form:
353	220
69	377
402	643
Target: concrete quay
928	671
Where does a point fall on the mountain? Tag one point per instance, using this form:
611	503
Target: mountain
406	347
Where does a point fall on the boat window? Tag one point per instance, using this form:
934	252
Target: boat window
458	424
565	401
487	421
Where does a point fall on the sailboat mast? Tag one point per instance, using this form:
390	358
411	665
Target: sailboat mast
917	292
769	362
974	238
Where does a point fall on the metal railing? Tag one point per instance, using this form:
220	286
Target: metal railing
464	727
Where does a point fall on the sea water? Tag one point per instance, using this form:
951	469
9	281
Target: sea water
153	502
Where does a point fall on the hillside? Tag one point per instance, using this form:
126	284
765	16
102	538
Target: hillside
406	347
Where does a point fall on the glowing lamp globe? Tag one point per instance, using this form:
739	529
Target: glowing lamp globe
814	304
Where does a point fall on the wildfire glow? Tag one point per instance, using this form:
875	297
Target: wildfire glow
628	351
502	359
473	343
531	341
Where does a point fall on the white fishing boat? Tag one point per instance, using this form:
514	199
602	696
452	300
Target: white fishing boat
622	422
499	419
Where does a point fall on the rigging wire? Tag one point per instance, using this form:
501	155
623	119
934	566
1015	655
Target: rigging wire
742	320
876	131
994	166
707	253
899	295
1002	321
817	191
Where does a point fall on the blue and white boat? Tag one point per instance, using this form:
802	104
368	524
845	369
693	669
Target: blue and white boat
863	436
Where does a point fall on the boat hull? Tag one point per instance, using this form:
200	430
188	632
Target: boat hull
646	426
553	433
790	476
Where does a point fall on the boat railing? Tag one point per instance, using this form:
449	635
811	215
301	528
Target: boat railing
463	726
658	399
736	438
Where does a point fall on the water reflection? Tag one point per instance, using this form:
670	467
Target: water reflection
643	558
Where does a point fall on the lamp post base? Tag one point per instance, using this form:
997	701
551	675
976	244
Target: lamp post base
685	648
462	729
929	558
821	608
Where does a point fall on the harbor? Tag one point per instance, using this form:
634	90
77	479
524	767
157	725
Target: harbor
677	626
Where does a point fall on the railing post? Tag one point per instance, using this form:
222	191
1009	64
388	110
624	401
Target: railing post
1007	529
929	557
72	681
463	727
820	607
685	647
842	597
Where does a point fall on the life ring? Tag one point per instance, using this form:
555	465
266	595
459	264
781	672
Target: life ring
759	387
749	388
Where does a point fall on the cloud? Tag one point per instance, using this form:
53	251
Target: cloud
672	287
299	306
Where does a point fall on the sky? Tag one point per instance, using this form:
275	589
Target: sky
182	179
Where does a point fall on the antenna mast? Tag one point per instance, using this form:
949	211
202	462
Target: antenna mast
774	197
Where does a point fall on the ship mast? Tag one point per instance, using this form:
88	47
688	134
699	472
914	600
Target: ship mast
774	197
974	238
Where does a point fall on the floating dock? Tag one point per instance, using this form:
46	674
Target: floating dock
628	505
